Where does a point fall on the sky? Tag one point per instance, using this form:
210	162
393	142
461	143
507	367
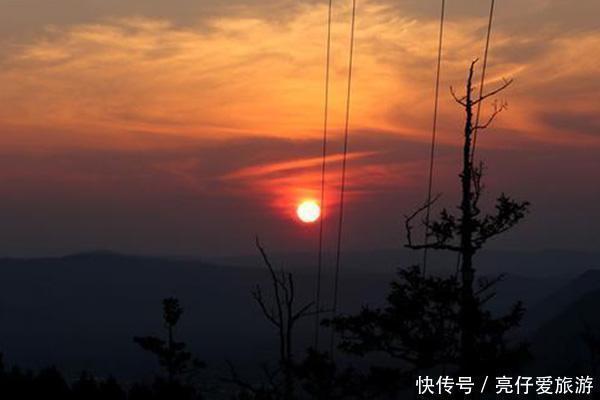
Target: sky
188	127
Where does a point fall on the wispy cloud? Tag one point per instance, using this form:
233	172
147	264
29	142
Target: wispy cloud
292	165
241	75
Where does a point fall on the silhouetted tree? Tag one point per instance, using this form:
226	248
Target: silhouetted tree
110	389
417	327
85	387
49	383
480	337
140	392
321	378
442	321
173	357
283	313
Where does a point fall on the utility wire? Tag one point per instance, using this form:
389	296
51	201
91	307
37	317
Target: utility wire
323	166
343	178
433	135
483	70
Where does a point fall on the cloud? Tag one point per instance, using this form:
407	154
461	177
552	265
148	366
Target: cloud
287	166
249	75
219	114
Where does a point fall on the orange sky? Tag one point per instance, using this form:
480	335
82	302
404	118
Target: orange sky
223	106
241	75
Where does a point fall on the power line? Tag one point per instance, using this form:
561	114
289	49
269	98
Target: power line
433	135
323	166
343	178
483	70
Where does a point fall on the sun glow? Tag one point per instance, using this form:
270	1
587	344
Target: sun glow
308	211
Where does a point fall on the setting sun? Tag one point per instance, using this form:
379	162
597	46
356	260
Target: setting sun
308	211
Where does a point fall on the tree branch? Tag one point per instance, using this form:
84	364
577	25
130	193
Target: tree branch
507	83
257	294
461	100
409	219
276	283
487	284
497	110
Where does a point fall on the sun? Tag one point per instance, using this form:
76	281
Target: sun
308	211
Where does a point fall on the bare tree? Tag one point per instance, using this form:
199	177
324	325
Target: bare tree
284	314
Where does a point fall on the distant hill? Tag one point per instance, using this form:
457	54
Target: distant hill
557	343
564	297
538	264
81	311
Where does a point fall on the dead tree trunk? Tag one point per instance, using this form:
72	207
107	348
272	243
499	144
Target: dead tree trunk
468	309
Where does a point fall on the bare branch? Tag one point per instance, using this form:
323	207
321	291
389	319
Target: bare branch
302	312
283	285
440	244
410	218
292	290
487	298
276	283
487	284
507	83
461	100
236	380
257	294
434	246
497	110
477	174
264	256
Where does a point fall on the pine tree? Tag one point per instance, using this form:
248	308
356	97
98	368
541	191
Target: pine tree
174	358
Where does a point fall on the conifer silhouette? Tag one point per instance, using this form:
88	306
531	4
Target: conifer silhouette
176	361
